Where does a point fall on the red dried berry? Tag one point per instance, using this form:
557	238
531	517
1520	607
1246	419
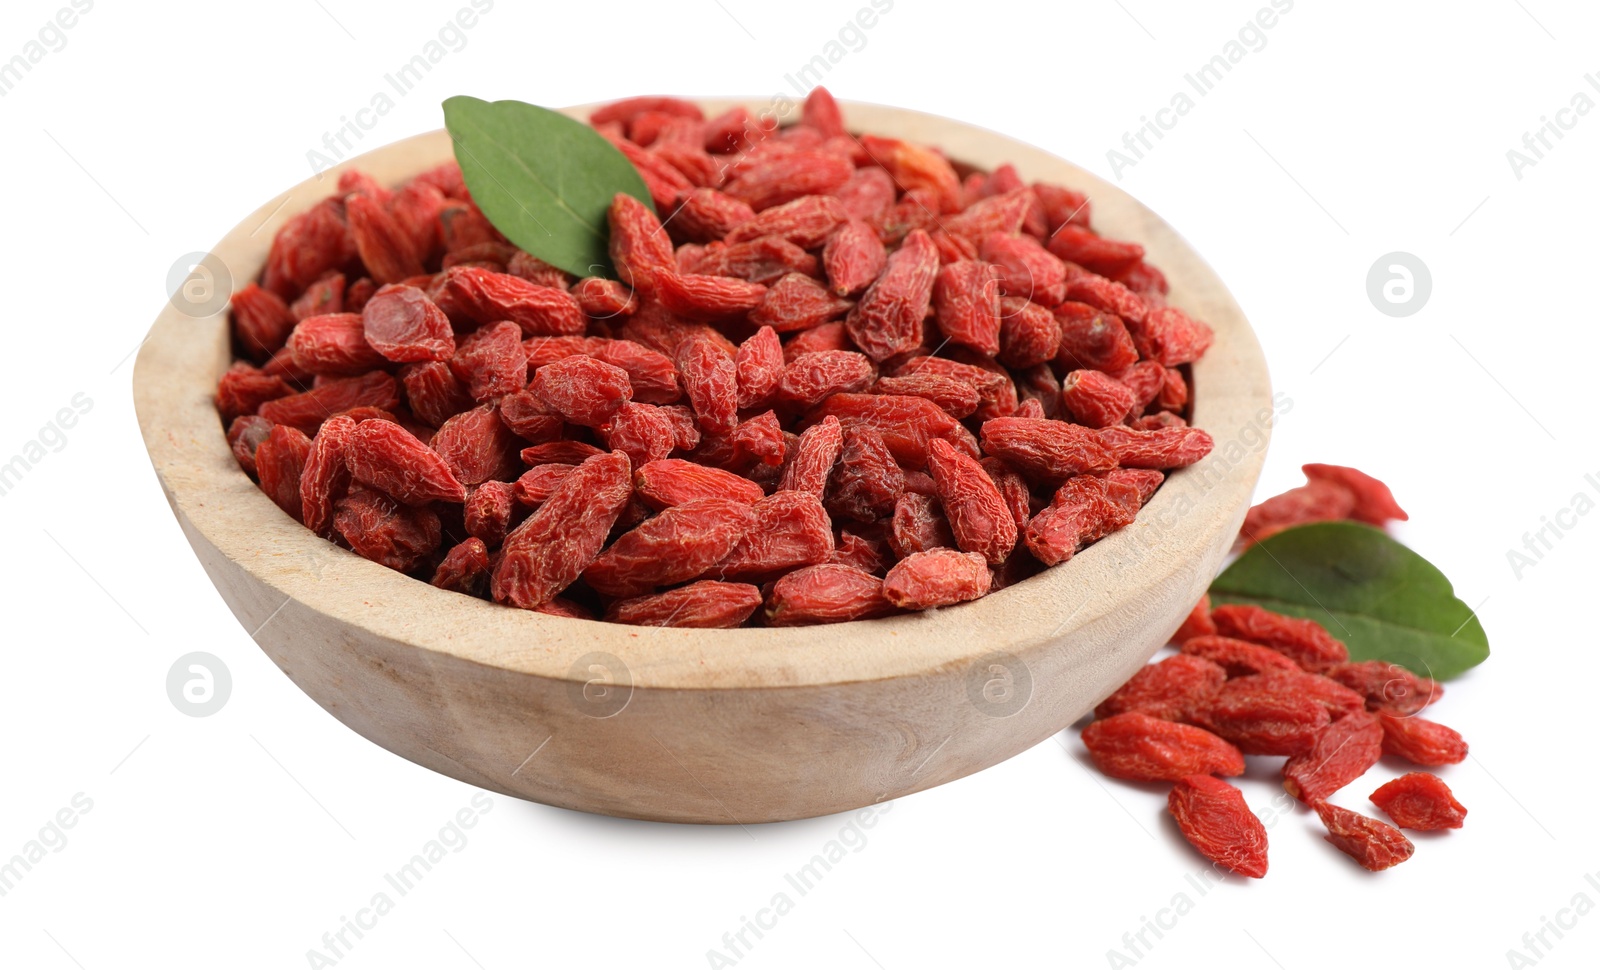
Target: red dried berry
807	222
582	390
779	178
1261	718
388	458
434	392
888	320
1238	657
477	446
464	569
758	368
810	378
1029	334
1318	501
1169	689
1420	801
937	577
704	215
706	605
548	551
1076	244
1375	845
707	297
791	529
640	248
1421	742
1171	337
966	302
674	481
979	517
1305	642
245	435
1341	753
676	545
489	511
1026	269
907	425
325	476
385	249
261	321
853	257
1161	449
1046	450
333	346
308	409
1374	503
1093	339
385	531
1212	815
603	299
1095	399
1389	688
1138	747
484	296
814	456
280	461
403	325
826	593
491	361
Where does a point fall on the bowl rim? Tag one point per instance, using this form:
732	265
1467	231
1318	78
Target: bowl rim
177	366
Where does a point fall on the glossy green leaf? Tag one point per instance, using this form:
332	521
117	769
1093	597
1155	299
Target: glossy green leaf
1381	598
543	179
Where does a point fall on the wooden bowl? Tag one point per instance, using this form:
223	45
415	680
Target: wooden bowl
723	726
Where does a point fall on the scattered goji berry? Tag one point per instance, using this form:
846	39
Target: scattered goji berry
1420	801
1138	747
1421	742
1306	642
1340	753
1212	815
1169	690
1375	845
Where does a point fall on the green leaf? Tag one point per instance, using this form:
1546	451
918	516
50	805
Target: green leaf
1383	600
543	179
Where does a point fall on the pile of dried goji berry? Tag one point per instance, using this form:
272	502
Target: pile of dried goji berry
1250	681
835	377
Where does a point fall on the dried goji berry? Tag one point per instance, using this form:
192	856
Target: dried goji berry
1076	244
866	193
888	320
707	604
1375	845
1029	334
907	425
464	569
1374	503
918	524
242	389
1171	337
386	250
1421	742
477	446
386	457
791	529
676	545
582	390
1096	399
814	456
806	222
1260	719
403	325
1026	269
308	409
535	486
1388	687
1138	747
1092	339
385	531
1162	449
966	301
434	392
781	178
937	577
674	481
826	593
1306	642
489	511
1420	801
1238	657
280	461
704	215
1340	753
245	435
306	248
640	248
1169	689
1317	501
325	477
603	299
1004	214
810	378
707	297
916	167
484	296
491	361
261	321
333	346
1047	450
548	551
853	257
1212	815
979	517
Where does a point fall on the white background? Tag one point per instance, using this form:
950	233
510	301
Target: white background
1360	128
